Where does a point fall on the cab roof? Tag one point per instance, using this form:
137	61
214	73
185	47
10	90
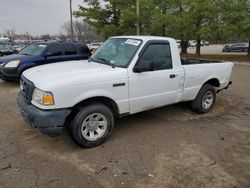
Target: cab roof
144	37
56	42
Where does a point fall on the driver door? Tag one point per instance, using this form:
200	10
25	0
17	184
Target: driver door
158	87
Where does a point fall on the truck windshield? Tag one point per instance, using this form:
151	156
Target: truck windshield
33	49
117	51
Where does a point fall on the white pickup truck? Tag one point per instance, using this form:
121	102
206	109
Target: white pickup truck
126	75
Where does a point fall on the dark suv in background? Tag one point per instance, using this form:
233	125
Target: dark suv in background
12	66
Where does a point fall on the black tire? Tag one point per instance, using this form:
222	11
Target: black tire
197	103
77	124
10	79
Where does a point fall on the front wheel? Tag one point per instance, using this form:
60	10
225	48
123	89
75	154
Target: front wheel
205	99
92	125
10	79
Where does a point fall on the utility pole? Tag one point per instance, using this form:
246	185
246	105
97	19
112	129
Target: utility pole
138	17
71	22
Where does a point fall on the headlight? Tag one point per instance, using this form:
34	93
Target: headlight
12	64
43	97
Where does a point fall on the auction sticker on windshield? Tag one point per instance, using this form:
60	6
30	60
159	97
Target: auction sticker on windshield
133	42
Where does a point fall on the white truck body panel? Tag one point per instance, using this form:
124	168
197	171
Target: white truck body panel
197	75
76	81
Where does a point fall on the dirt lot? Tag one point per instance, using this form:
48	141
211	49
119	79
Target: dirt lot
167	147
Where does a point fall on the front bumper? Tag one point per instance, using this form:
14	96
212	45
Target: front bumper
9	73
47	121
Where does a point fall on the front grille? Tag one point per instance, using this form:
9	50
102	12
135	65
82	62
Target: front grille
27	88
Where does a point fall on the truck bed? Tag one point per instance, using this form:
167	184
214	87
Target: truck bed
189	61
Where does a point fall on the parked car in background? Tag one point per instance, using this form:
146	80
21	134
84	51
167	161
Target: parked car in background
238	47
192	43
206	43
19	47
94	46
178	43
12	66
6	50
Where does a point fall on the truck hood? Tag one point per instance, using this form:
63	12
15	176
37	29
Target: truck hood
12	57
72	73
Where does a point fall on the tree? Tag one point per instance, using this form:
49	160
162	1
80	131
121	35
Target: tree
10	33
45	37
82	31
190	19
110	17
181	19
204	16
237	20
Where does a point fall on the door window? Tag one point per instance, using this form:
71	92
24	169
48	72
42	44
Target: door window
84	50
54	50
160	55
69	49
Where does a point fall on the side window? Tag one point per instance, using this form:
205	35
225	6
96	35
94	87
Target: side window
238	45
84	50
160	55
69	49
54	50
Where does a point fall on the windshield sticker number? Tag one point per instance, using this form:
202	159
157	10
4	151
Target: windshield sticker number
133	42
42	46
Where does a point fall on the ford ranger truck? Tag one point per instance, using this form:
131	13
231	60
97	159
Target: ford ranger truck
126	75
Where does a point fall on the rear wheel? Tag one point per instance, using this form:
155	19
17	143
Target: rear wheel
92	125
205	99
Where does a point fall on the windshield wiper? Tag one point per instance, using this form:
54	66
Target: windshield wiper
107	62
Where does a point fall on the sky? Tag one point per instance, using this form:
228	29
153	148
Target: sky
36	17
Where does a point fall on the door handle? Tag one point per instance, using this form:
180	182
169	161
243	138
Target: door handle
172	76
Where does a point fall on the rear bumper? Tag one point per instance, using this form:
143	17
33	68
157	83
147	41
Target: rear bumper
229	83
47	121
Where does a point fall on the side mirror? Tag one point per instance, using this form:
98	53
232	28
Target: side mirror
144	66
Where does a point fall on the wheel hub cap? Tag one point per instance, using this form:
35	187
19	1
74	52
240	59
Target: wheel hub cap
94	126
208	100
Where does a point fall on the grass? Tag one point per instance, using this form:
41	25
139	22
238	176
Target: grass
233	58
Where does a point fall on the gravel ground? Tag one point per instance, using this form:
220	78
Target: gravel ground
167	147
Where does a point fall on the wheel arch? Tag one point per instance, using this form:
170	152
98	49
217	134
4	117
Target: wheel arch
98	99
213	81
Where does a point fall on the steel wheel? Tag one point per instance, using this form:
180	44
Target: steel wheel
94	126
207	100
